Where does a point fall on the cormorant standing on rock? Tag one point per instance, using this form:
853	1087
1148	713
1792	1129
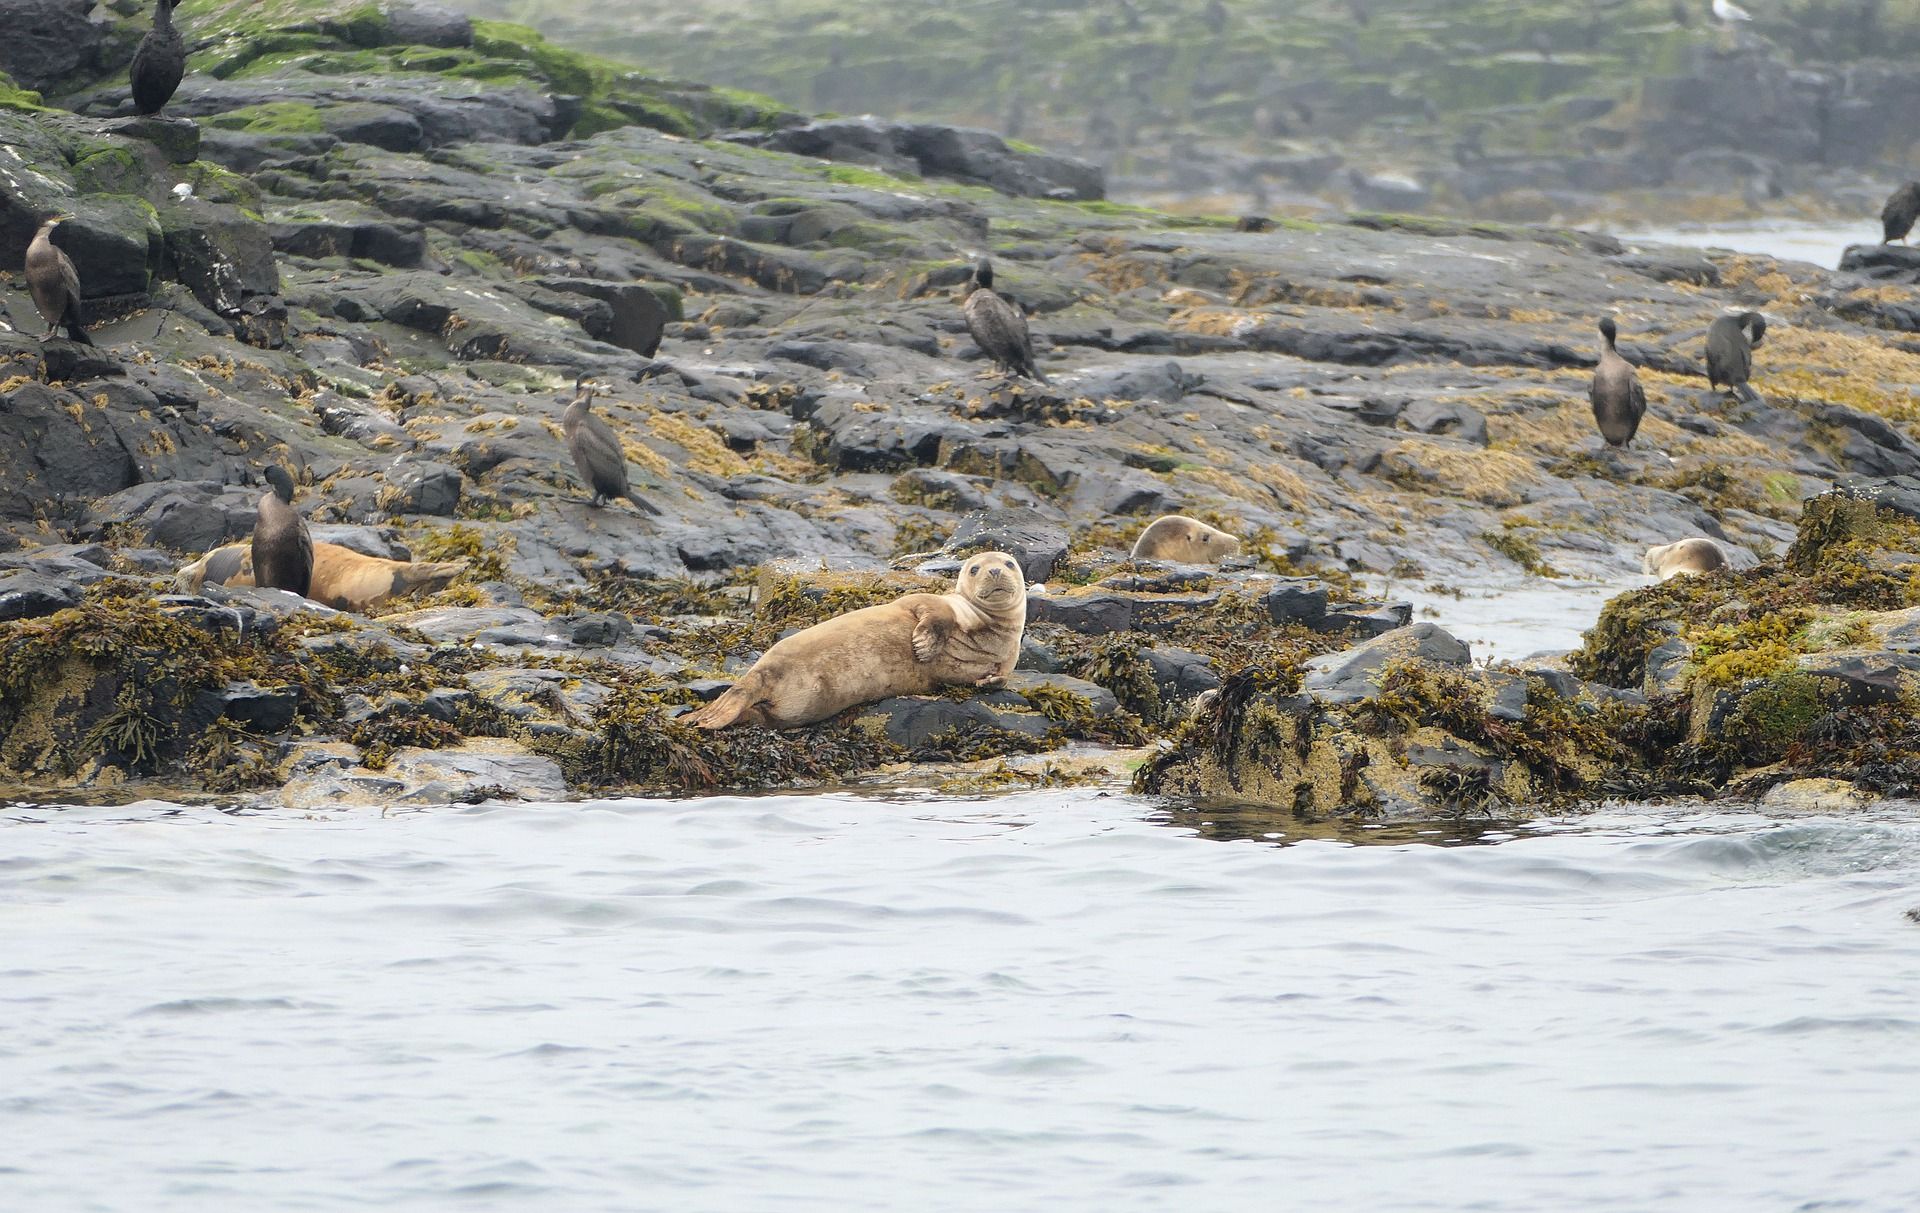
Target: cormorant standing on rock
282	545
55	284
159	63
1896	218
1731	341
1618	399
998	327
597	452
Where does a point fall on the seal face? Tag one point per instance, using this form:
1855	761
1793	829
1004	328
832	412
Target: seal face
1685	556
913	645
1177	539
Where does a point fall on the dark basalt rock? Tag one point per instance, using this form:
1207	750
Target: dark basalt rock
28	595
47	41
1882	262
1038	543
426	488
921	149
1352	676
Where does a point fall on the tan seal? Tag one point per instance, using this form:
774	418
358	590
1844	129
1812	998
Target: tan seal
913	645
1696	555
1178	539
343	579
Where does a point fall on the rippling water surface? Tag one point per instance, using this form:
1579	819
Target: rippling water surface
1057	1000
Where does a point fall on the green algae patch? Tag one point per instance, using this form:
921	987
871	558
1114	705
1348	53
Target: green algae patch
271	118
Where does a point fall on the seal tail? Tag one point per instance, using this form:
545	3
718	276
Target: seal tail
727	709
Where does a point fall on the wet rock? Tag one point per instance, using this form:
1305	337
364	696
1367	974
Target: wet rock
267	710
1867	677
923	149
636	318
1099	699
482	625
426	487
912	723
1038	543
1090	614
396	242
1298	600
1368	620
476	770
28	595
1349	677
47	41
1037	657
1445	417
1817	796
1179	673
1884	262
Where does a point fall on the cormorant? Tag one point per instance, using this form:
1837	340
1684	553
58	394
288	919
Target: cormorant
1731	341
597	452
1896	218
159	63
1618	399
998	327
55	284
282	545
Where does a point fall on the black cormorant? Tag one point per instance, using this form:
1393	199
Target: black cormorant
1618	399
597	451
55	284
1731	341
159	63
282	545
1896	218
998	327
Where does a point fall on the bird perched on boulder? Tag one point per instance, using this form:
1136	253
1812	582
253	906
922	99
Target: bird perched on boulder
597	452
55	284
998	327
1731	341
282	545
1727	12
159	63
1896	218
1618	399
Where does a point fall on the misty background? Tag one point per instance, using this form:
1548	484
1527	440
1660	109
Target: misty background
1495	108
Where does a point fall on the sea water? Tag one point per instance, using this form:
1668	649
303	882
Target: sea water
1060	1000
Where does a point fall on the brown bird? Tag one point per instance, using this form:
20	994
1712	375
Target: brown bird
1896	219
159	63
597	452
55	284
1731	341
1618	399
998	327
282	545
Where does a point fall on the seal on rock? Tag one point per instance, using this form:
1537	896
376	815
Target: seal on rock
1696	555
282	546
1177	539
998	327
343	579
1618	399
913	645
159	63
1731	340
55	284
597	452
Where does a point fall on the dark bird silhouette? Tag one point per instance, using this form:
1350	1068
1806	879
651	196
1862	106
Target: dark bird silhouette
998	327
55	284
1215	16
1896	218
597	452
159	63
1731	341
282	545
1618	399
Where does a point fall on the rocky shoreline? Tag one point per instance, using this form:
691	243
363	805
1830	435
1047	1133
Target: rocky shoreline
379	252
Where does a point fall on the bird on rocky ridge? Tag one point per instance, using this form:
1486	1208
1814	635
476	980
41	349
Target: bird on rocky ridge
1896	218
597	452
1731	340
55	284
159	63
282	545
1618	399
998	327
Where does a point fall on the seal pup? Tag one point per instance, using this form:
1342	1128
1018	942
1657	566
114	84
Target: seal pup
998	327
55	284
343	579
282	545
1618	399
597	452
1731	341
1177	539
913	645
1696	555
1897	216
159	63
